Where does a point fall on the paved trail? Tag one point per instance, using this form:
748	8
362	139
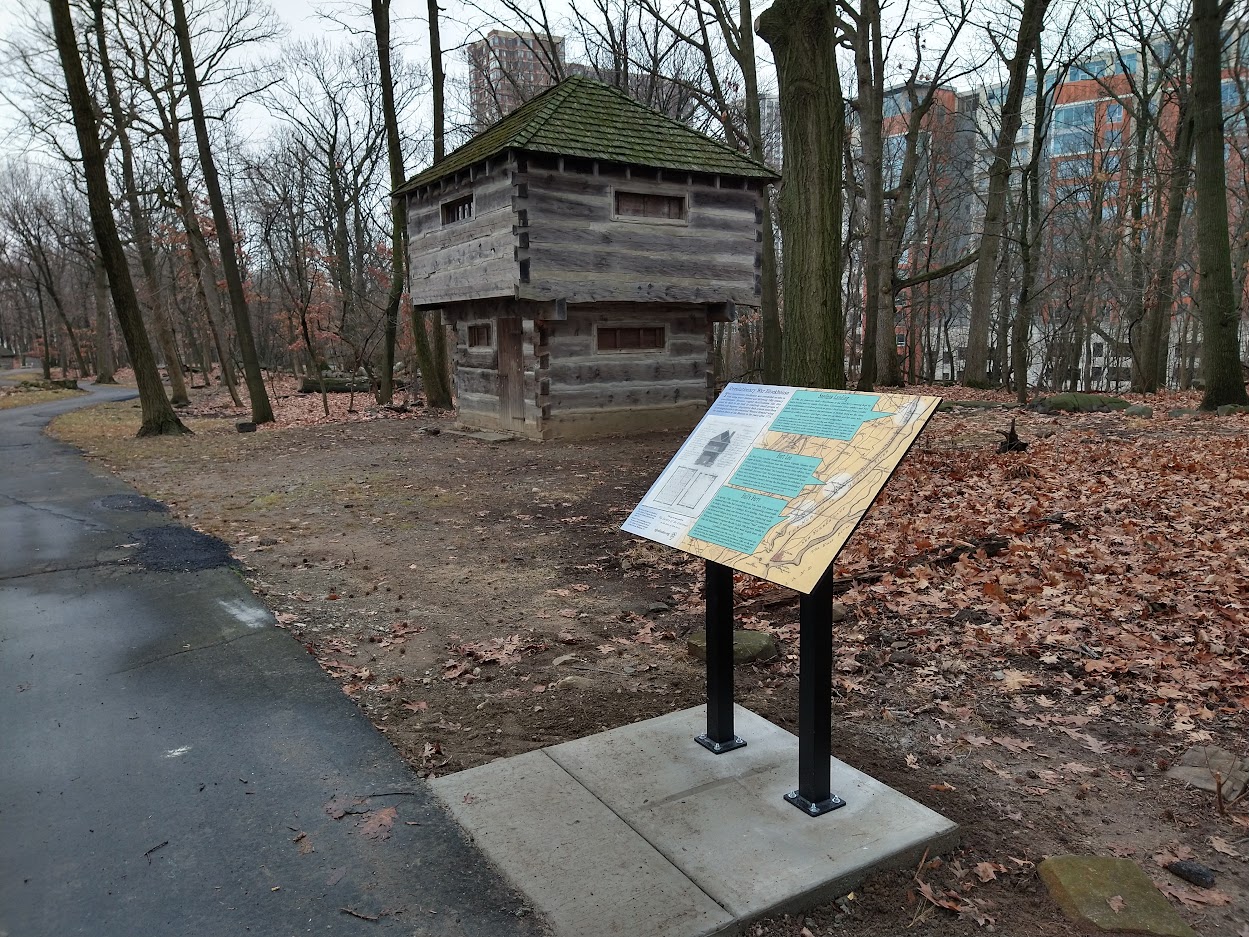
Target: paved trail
166	754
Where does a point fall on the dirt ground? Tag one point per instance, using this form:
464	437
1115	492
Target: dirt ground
1031	639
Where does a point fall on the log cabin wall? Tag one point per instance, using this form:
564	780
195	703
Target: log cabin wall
493	390
474	257
574	243
586	387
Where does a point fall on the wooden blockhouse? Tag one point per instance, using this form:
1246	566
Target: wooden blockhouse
581	248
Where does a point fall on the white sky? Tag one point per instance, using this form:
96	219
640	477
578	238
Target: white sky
459	24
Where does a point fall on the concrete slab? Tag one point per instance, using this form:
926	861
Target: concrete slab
580	865
641	831
723	821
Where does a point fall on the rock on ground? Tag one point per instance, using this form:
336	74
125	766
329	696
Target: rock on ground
1112	895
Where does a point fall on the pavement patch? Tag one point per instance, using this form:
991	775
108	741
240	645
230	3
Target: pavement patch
132	503
174	548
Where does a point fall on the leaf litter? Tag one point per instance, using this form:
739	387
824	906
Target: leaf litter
1085	618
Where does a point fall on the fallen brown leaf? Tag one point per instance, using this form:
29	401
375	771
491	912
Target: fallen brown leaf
1012	744
377	823
1194	897
1116	903
987	871
1219	844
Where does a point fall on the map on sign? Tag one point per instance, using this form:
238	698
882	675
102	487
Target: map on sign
774	480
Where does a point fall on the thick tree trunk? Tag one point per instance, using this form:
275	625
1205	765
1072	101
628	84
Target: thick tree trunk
262	412
1031	21
158	416
803	37
1220	319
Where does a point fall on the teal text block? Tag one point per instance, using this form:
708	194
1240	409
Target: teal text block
826	415
738	519
781	473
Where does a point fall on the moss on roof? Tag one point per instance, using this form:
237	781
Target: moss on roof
586	118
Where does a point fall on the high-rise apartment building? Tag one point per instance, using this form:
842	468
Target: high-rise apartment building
506	69
1100	191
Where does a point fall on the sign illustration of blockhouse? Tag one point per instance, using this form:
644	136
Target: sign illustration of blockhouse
581	248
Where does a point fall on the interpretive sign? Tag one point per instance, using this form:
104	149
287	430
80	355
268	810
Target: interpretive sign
774	480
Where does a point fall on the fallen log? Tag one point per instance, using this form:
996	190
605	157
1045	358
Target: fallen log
339	385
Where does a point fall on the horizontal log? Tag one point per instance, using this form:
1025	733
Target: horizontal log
543	206
545	259
480	381
479	357
495	224
624	394
736	240
339	385
591	288
636	369
735	199
586	424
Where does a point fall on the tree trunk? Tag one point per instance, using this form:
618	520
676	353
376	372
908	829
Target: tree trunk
103	327
1220	342
871	157
69	329
158	417
205	276
1031	21
45	360
262	412
803	37
438	80
769	300
432	361
138	218
1150	363
1029	239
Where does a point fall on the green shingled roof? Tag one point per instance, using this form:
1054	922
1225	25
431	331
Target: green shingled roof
586	118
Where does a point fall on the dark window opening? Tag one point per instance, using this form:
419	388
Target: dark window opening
638	205
460	209
479	336
632	338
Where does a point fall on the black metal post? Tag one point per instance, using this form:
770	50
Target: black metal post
720	737
815	688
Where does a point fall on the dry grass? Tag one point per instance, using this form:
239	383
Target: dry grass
11	398
108	431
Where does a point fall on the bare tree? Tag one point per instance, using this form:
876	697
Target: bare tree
432	361
1027	35
262	412
158	416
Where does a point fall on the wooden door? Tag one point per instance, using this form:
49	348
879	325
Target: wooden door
511	373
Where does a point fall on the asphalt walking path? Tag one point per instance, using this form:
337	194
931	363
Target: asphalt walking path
173	764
